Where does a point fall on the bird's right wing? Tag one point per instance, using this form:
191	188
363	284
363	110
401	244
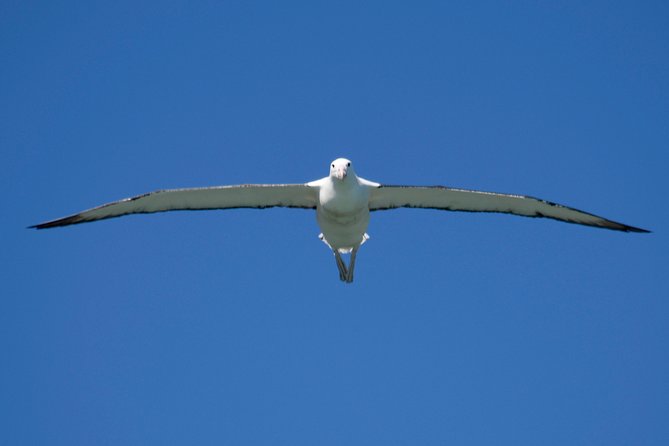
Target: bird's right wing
449	199
258	196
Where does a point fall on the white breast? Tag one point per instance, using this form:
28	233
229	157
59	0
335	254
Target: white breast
343	213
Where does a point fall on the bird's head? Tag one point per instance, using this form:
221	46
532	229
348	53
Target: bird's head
341	168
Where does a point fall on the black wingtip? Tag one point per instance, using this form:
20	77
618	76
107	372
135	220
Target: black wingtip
41	226
38	226
639	230
608	224
615	226
66	221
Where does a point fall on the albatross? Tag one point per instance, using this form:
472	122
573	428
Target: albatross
343	202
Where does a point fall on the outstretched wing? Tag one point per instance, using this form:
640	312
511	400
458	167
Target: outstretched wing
449	199
221	197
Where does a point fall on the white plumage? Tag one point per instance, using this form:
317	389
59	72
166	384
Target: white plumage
343	202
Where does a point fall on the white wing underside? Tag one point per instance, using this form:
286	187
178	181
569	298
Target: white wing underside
449	199
382	197
222	197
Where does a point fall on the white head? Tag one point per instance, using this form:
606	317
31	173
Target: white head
341	168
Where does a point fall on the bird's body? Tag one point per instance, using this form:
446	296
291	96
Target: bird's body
343	212
343	202
343	209
344	218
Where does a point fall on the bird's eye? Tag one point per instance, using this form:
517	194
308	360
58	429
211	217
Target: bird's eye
348	164
333	165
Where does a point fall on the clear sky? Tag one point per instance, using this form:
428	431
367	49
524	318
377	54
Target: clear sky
232	327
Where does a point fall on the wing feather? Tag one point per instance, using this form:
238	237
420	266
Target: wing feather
220	197
450	199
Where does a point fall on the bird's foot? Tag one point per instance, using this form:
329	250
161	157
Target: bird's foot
351	266
341	266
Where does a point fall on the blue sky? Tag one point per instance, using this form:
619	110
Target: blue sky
232	327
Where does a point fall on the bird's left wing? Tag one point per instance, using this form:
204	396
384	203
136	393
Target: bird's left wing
221	197
450	199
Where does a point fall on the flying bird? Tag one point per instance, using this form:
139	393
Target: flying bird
343	202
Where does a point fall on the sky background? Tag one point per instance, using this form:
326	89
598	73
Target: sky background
232	327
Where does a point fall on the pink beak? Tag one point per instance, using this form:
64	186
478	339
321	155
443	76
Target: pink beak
340	174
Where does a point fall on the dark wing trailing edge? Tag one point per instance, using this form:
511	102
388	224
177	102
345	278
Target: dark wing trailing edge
220	197
449	199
